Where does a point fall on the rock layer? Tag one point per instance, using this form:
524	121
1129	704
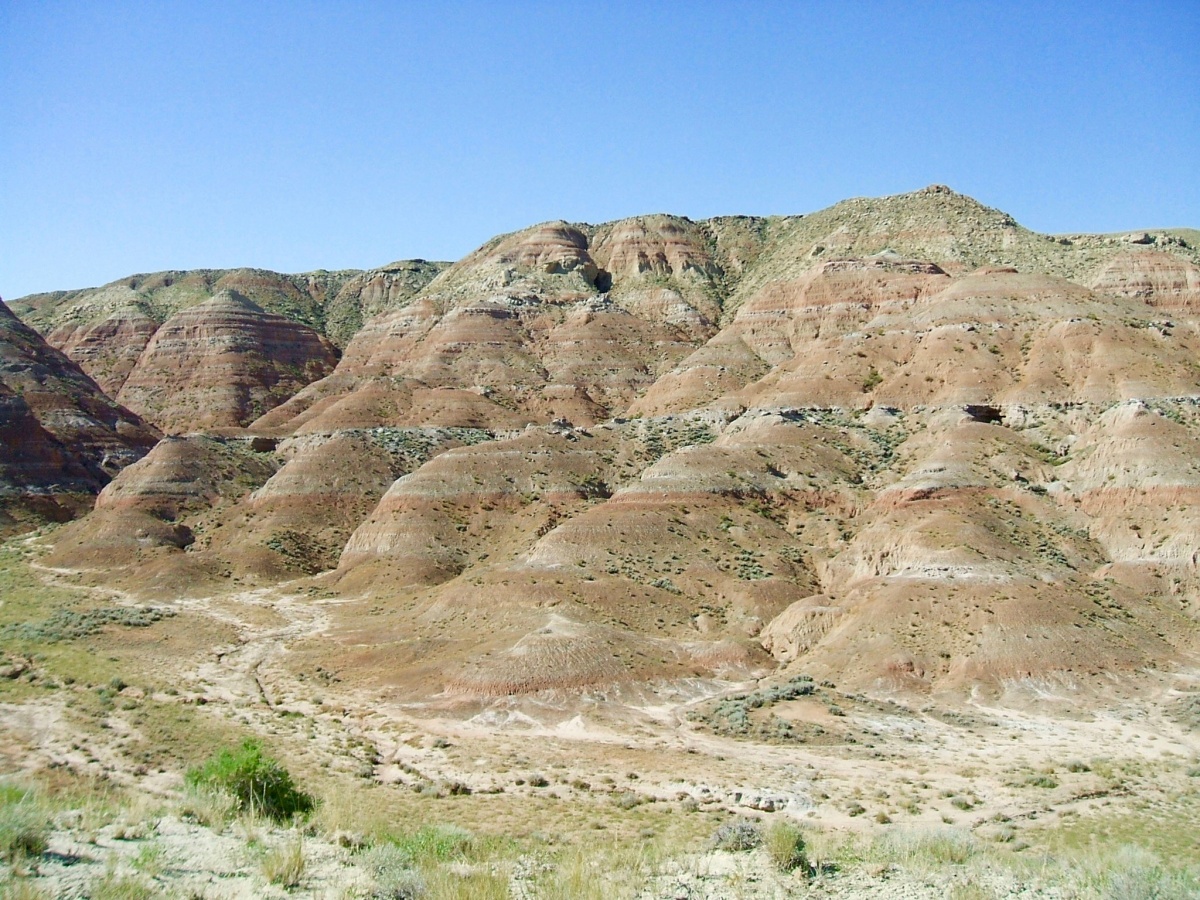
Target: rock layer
63	439
222	364
903	445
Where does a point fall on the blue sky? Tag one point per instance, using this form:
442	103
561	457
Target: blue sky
136	137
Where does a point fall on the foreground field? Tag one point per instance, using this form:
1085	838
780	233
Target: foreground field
701	789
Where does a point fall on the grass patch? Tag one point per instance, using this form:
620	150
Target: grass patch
20	889
111	886
258	783
213	808
25	824
605	872
448	884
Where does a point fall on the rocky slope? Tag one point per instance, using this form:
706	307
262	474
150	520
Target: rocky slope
222	364
107	330
333	303
63	439
529	328
902	444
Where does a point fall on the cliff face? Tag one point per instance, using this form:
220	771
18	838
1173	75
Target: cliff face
902	443
1162	280
63	439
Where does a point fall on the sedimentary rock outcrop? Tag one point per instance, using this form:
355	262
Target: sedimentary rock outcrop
63	439
222	364
903	444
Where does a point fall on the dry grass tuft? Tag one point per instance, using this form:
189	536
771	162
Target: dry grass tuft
284	865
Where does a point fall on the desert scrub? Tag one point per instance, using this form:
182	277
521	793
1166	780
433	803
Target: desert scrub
25	823
785	845
259	784
731	716
69	624
392	874
738	835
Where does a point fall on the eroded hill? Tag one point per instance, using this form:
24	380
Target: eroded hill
902	443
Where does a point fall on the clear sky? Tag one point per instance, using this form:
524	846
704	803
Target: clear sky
136	137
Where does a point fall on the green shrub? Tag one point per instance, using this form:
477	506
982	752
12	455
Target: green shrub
259	783
785	845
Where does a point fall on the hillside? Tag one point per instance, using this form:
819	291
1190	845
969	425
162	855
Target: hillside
902	443
63	439
876	529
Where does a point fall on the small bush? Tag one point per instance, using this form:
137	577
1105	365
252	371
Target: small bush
392	874
284	865
627	800
785	846
741	834
258	783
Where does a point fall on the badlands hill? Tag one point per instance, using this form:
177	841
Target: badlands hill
901	444
246	337
63	439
